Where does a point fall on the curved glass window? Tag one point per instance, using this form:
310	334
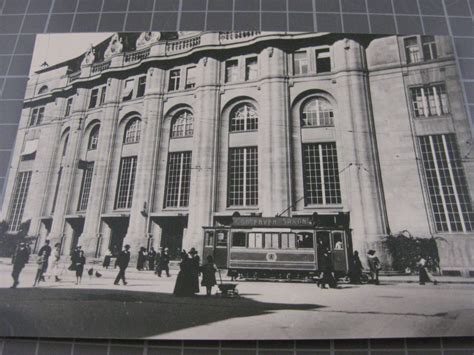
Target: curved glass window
132	131
182	125
93	138
244	117
317	112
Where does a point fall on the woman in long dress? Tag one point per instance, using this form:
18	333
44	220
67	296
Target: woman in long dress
80	262
184	281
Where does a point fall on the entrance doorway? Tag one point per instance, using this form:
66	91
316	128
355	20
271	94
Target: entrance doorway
172	230
118	231
77	227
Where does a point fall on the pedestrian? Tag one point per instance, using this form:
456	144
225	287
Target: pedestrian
184	285
80	262
196	265
151	259
122	262
356	269
327	277
39	271
141	259
107	259
163	263
20	259
56	262
374	265
425	275
45	251
209	275
74	255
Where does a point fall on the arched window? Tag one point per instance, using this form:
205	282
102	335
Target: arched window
93	138
65	145
182	125
44	89
243	117
132	131
317	112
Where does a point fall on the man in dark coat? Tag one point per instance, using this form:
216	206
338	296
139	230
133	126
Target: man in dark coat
151	259
122	262
22	255
356	269
163	263
45	252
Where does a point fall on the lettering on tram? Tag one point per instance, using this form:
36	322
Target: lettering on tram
280	247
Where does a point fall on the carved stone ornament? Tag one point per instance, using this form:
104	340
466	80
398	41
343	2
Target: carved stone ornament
147	38
89	57
115	46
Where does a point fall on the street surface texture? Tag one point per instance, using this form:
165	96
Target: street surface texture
146	308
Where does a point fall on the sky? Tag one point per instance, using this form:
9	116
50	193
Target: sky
56	48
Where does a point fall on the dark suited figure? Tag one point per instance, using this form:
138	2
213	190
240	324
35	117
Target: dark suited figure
151	259
163	263
22	255
195	270
45	252
122	262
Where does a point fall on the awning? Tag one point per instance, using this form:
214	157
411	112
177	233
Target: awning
30	147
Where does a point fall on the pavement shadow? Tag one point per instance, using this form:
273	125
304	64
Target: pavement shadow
89	313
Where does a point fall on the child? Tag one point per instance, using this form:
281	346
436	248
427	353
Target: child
39	272
209	275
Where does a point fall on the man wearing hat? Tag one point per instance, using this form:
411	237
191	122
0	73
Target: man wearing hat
163	263
22	255
374	266
122	262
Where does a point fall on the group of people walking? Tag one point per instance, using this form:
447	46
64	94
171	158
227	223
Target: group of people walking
187	282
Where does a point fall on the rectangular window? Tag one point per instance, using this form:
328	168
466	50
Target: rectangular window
446	184
209	238
190	78
288	240
323	60
37	116
251	68
304	240
141	86
17	204
255	240
56	191
126	182
429	100
300	63
174	80
40	116
85	186
93	100
272	241
412	50
178	179
428	44
238	239
243	176
68	107
128	90
231	71
321	174
102	95
221	239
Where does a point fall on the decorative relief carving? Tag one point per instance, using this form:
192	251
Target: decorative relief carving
115	46
89	57
147	38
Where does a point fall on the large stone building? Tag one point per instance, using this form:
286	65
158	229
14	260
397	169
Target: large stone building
147	138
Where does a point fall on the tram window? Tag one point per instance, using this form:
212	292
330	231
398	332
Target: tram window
221	239
338	241
284	240
238	239
288	241
323	240
271	241
304	240
255	240
209	238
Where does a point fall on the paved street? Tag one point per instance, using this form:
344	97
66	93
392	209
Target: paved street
146	308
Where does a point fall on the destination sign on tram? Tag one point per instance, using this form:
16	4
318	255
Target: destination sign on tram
275	222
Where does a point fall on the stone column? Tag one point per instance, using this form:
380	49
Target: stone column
102	163
273	132
204	153
152	119
355	145
69	165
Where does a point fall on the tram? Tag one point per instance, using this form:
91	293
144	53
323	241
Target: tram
280	247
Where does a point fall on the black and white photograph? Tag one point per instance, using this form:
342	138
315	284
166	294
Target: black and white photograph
239	185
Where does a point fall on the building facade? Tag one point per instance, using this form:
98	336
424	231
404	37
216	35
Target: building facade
147	138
